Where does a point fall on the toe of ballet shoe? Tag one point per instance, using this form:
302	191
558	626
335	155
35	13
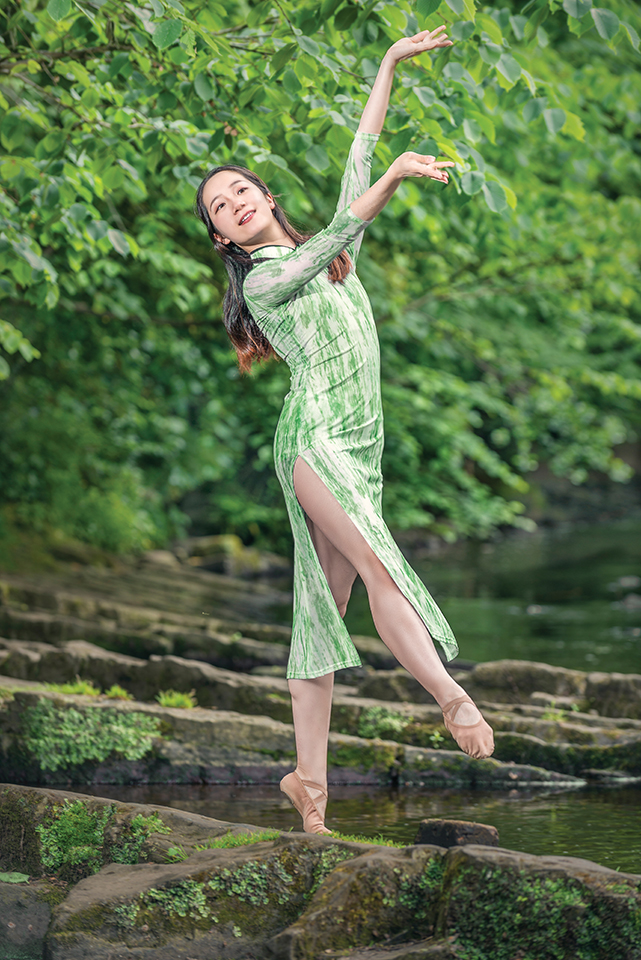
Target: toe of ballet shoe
322	830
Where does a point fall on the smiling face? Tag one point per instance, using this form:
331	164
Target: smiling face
241	212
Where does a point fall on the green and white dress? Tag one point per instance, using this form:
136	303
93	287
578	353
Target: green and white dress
332	417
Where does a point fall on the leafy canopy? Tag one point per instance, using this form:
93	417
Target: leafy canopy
507	304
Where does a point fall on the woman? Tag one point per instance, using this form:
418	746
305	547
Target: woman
299	298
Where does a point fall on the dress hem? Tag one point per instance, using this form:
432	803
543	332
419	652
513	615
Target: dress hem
342	665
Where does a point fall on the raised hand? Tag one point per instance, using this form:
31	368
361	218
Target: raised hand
421	42
419	165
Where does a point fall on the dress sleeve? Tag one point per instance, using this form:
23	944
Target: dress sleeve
356	178
275	281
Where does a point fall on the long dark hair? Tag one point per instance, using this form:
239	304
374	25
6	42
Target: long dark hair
249	341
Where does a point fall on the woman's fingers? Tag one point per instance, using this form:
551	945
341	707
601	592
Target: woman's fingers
427	166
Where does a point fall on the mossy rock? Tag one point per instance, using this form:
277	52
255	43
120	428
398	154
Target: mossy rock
19	842
615	694
497	901
513	681
571	759
240	897
380	895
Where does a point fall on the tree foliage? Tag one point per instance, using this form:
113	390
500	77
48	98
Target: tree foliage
507	303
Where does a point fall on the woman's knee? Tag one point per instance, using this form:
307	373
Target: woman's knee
374	574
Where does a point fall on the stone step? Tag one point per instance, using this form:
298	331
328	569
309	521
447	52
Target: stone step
159	589
516	681
239	646
222	746
269	697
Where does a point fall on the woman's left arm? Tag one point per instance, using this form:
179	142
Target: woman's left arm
375	110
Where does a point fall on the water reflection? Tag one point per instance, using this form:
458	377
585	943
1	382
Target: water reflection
596	824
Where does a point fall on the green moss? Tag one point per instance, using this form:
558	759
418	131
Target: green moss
571	759
550	918
6	694
377	756
254	882
328	859
174	698
19	842
62	737
381	722
80	687
116	692
52	895
86	921
357	838
237	840
72	839
418	894
133	837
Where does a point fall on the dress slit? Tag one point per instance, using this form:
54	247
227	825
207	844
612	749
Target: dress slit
312	593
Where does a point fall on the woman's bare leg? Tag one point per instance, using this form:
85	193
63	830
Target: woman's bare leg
312	699
396	620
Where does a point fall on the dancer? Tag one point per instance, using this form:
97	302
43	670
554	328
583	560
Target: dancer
299	298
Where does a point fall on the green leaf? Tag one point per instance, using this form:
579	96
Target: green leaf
299	142
462	30
494	196
573	126
204	87
425	8
633	36
195	146
554	119
606	22
118	241
472	181
317	158
577	8
59	9
534	108
490	27
158	8
281	57
490	53
457	6
579	27
14	877
472	130
509	67
166	33
426	95
309	46
470	9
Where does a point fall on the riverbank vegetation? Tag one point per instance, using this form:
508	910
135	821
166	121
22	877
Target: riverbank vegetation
507	304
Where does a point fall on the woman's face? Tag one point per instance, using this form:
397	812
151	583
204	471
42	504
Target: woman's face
240	211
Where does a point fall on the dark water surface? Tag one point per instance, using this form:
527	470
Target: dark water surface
596	824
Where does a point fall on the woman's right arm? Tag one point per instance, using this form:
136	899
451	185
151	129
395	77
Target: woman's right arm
273	282
370	204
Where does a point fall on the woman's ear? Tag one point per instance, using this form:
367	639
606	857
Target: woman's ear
271	201
220	239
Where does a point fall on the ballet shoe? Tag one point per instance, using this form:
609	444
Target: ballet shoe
294	788
475	739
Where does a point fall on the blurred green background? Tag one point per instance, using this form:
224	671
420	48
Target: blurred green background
507	302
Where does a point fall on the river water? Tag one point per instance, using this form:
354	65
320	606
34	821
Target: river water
596	824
